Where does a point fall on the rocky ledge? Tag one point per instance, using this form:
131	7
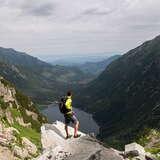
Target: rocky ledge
56	147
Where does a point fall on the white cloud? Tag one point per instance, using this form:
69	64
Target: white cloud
86	26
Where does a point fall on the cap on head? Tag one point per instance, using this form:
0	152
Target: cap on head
69	93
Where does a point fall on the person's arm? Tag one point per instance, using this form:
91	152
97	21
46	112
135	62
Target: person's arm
56	102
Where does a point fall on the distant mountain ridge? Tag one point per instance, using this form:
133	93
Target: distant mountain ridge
14	57
96	68
76	59
36	78
124	99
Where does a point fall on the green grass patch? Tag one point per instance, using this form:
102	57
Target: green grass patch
153	150
18	138
4	120
3	105
15	112
158	157
28	119
31	134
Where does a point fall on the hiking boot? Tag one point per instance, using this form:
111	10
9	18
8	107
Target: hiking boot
49	157
69	136
77	136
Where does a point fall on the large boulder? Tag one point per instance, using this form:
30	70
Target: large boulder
7	93
134	149
20	152
29	146
6	154
7	136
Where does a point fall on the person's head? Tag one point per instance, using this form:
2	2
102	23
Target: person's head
69	93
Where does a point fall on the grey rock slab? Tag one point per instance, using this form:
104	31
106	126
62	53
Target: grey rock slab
134	149
56	147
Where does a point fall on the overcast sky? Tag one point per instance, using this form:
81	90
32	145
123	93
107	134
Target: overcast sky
64	27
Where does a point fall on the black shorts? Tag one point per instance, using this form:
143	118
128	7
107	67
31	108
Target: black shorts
70	118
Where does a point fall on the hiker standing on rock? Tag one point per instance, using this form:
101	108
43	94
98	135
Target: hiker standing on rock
65	107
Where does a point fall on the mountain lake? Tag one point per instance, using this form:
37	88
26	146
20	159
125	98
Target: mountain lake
87	123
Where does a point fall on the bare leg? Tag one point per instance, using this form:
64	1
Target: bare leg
66	129
76	127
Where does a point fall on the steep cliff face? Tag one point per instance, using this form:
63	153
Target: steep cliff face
20	124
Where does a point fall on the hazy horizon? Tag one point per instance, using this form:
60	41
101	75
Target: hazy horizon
90	56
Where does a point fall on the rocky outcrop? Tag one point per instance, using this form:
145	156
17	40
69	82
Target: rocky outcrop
32	114
9	116
134	149
20	152
26	151
8	140
56	147
6	154
29	146
20	123
7	92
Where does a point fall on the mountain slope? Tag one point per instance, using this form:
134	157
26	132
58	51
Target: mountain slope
36	78
96	68
20	124
125	97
